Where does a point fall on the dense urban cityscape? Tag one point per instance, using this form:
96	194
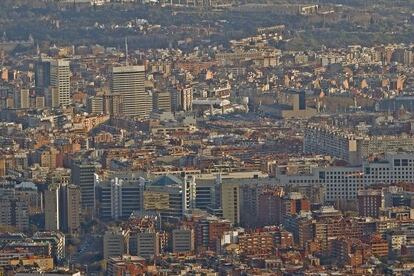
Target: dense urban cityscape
196	137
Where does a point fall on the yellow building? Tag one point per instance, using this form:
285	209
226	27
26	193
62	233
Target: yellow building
156	200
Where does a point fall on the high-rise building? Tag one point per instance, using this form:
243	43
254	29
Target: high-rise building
14	212
321	140
60	82
183	240
249	194
113	104
230	201
109	104
161	101
129	82
52	213
2	167
342	183
70	209
269	207
95	105
187	98
119	198
83	175
40	102
369	202
182	99
170	195
206	191
42	74
148	244
209	231
56	240
22	99
62	208
293	203
115	243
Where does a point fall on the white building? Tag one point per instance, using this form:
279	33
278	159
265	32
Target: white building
60	82
343	183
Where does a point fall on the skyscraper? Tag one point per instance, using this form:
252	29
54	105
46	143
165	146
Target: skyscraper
52	222
129	81
60	82
230	201
42	74
83	175
70	209
22	99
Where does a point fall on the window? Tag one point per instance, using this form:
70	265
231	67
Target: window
321	175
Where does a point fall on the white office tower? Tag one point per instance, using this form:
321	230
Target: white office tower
129	82
60	83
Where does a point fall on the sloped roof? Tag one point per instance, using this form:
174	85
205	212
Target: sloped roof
167	180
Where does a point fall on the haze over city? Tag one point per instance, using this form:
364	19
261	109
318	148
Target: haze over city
206	137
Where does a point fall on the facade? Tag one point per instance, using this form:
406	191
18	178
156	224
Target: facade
52	202
206	194
161	101
14	212
126	265
96	105
186	98
379	246
22	99
257	243
351	147
148	244
343	183
369	203
333	142
115	243
129	81
42	74
183	240
108	104
72	210
83	176
230	201
119	198
60	82
269	207
56	240
171	196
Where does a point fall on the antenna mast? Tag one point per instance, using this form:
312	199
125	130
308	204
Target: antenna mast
126	51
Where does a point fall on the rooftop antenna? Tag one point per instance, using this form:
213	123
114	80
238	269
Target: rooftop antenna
126	51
